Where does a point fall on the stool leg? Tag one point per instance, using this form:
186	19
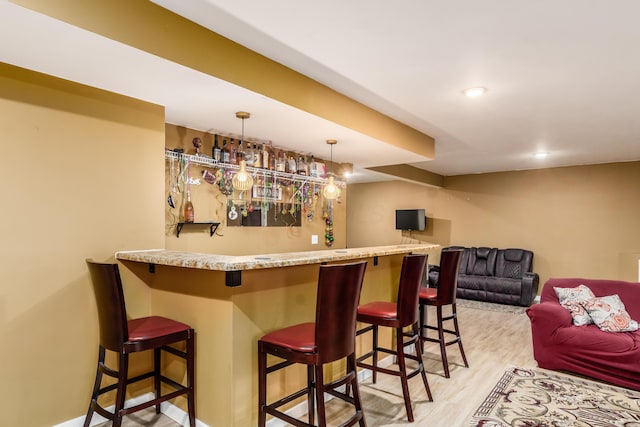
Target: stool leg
310	393
403	373
416	331
123	369
96	387
455	325
191	377
375	352
319	380
423	321
156	374
351	367
262	386
443	344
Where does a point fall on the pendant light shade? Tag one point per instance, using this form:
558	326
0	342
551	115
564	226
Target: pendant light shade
331	190
242	181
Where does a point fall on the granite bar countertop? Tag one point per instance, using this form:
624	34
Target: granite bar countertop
251	262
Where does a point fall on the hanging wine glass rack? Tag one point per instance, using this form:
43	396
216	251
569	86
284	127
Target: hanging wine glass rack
206	161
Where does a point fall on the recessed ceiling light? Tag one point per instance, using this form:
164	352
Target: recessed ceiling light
541	155
474	91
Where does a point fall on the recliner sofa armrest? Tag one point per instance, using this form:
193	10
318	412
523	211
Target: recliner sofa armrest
529	290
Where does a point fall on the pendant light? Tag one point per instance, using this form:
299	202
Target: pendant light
242	181
331	190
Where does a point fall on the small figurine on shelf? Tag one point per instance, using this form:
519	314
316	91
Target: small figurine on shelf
197	142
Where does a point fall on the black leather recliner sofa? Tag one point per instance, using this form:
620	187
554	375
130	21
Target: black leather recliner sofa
501	276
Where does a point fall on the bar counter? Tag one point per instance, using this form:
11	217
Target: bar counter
266	292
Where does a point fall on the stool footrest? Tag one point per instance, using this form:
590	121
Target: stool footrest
293	421
293	396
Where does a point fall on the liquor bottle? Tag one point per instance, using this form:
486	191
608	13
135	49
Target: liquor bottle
257	157
272	158
240	153
313	167
189	214
293	167
215	152
265	157
232	152
248	155
226	155
280	162
302	167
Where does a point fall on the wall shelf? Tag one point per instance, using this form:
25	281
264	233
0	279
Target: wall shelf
213	226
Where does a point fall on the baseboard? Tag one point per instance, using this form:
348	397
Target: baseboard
300	409
537	299
167	408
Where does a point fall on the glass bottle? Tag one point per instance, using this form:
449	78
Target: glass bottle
216	153
313	167
257	157
265	157
240	152
233	150
302	167
225	152
189	213
280	162
293	167
272	158
248	155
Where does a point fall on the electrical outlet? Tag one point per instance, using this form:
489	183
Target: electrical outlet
314	239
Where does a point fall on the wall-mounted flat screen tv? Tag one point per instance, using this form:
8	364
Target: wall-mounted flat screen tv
411	219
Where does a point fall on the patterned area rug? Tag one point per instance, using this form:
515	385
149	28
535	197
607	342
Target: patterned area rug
481	305
539	398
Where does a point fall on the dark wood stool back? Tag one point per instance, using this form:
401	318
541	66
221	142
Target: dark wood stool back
331	337
123	337
398	315
443	295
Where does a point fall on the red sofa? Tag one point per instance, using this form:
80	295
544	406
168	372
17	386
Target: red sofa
613	357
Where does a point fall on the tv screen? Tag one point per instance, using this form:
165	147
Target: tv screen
410	219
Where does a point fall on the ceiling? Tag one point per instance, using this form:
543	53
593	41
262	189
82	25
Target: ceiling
561	76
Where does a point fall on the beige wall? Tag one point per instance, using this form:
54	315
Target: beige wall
580	221
82	177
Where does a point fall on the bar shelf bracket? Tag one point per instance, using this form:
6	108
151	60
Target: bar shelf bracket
213	226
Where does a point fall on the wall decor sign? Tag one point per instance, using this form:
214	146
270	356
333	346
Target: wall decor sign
273	194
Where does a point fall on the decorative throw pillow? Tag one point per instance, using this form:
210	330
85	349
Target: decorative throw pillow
609	314
571	299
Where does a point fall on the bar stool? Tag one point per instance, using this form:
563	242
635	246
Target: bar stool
444	294
124	336
398	316
330	338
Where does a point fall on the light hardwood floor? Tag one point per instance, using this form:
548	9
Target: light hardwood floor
493	341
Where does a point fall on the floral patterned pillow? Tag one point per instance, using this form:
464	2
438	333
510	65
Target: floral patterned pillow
609	314
571	299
